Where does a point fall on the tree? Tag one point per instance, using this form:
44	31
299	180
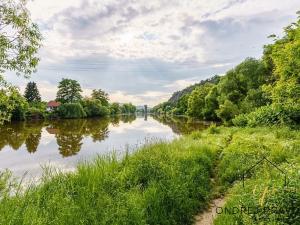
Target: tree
283	55
93	107
101	95
20	40
32	93
128	108
211	104
115	108
227	111
196	102
12	105
71	111
68	91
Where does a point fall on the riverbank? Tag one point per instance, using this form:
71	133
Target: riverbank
169	183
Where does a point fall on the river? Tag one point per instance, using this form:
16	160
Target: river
28	147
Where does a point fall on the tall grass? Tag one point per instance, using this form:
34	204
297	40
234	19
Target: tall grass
162	183
265	195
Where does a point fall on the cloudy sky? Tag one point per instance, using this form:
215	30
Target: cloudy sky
141	51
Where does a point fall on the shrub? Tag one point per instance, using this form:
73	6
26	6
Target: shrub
227	111
240	120
270	115
71	111
35	113
93	108
213	129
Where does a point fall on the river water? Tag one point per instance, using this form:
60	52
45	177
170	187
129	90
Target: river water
28	147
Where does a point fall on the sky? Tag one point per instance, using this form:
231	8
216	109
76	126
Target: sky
142	51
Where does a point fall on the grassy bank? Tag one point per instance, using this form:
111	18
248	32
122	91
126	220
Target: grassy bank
270	194
163	183
168	183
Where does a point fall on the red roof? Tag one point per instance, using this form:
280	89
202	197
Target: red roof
53	104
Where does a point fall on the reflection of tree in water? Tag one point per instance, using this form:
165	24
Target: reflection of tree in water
70	133
115	120
69	144
182	125
128	118
98	128
32	142
17	133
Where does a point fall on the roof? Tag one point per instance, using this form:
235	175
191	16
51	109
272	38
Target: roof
53	104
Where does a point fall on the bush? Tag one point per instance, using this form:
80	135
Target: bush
227	111
71	111
240	120
94	108
213	129
270	115
35	113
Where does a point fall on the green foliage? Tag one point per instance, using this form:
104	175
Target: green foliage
227	111
101	96
128	108
115	108
196	101
68	91
160	184
71	111
15	104
35	113
178	103
32	93
187	91
94	107
19	42
211	104
288	115
19	38
283	56
182	105
264	191
213	129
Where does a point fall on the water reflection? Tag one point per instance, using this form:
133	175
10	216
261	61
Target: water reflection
182	125
26	146
69	134
16	134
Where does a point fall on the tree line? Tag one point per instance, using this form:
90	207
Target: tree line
256	92
71	103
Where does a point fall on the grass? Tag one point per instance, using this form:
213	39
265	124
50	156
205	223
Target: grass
162	183
168	183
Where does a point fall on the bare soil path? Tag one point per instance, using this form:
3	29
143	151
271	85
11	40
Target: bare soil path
207	217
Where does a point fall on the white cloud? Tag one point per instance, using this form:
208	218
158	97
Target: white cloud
187	39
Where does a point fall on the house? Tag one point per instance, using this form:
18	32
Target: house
52	105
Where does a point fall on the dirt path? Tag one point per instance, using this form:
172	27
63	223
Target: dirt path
207	217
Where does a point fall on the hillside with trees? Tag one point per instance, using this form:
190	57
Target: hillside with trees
255	92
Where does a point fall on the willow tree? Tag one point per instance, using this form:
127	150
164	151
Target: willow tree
20	40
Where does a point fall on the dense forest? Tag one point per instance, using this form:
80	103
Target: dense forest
255	92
